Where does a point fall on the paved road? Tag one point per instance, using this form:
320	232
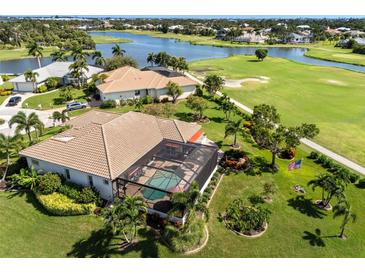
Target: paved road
346	162
7	112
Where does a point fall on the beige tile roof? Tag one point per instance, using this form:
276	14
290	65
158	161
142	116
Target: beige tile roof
128	78
106	144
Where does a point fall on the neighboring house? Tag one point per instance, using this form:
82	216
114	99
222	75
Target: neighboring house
130	154
358	40
251	38
222	33
56	69
343	29
129	83
303	27
296	38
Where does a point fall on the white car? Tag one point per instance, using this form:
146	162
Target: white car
75	105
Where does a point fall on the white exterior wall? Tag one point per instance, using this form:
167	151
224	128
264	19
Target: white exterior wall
159	93
24	86
76	177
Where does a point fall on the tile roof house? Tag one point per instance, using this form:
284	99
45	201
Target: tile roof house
56	69
100	147
129	83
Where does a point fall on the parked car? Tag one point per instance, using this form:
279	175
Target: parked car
76	105
13	101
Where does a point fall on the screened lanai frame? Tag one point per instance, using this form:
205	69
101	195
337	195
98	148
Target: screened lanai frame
169	167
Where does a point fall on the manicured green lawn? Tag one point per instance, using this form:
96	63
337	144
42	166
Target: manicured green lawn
28	231
327	51
2	99
51	99
329	97
18	53
105	39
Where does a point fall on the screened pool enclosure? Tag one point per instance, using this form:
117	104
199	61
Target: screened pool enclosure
168	168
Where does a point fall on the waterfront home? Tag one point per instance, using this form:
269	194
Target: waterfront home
131	154
59	70
251	37
129	83
295	38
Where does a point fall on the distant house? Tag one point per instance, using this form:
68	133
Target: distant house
221	33
251	38
343	29
129	83
178	27
303	27
56	69
295	38
358	40
132	154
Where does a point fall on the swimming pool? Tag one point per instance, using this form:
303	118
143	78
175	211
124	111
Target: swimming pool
162	180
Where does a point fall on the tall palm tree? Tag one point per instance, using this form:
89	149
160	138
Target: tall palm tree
233	128
78	53
151	58
78	69
35	50
117	50
343	208
182	65
31	76
59	56
7	145
26	123
99	59
126	216
60	116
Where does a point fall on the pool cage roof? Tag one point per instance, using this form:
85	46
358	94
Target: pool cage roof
168	168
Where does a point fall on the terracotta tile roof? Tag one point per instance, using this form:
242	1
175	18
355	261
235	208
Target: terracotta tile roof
106	144
128	78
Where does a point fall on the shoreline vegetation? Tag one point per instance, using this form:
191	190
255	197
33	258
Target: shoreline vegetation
107	39
320	50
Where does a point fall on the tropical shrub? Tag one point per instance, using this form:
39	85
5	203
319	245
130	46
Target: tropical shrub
122	102
42	89
70	190
165	100
48	183
4	92
184	241
244	219
59	204
52	83
80	194
313	155
87	195
147	100
119	61
108	104
5	77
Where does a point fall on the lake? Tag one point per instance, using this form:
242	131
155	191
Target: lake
144	44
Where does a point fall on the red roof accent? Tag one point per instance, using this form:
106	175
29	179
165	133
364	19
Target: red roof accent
196	136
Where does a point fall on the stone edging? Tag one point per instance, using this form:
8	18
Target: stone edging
215	189
248	236
202	246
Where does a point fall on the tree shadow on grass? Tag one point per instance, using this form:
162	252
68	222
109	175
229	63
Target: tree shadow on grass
258	165
314	239
187	117
98	245
306	206
103	244
360	184
218	120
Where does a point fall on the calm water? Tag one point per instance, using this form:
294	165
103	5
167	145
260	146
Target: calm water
143	44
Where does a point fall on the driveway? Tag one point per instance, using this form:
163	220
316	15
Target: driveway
6	112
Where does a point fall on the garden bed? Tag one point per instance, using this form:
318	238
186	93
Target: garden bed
251	234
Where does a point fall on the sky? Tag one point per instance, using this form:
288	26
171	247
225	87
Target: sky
185	7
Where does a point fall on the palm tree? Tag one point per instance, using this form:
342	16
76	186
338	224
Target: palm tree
213	83
99	59
233	128
35	50
7	145
60	116
117	50
26	123
126	216
188	203
174	90
162	59
151	58
78	69
78	54
174	63
331	185
182	65
226	106
343	208
59	56
31	76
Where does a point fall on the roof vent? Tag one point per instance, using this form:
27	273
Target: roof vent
63	139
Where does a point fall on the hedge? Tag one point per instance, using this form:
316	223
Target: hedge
61	205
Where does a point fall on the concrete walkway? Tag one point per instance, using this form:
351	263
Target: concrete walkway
346	162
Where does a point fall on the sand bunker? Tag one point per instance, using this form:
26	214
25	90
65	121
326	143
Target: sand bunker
237	83
335	82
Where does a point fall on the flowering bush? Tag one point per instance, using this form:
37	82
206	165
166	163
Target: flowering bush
59	204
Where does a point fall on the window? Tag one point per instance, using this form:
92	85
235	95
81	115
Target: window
68	176
91	182
35	162
147	92
106	182
137	93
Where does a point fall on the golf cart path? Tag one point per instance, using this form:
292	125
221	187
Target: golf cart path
346	162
